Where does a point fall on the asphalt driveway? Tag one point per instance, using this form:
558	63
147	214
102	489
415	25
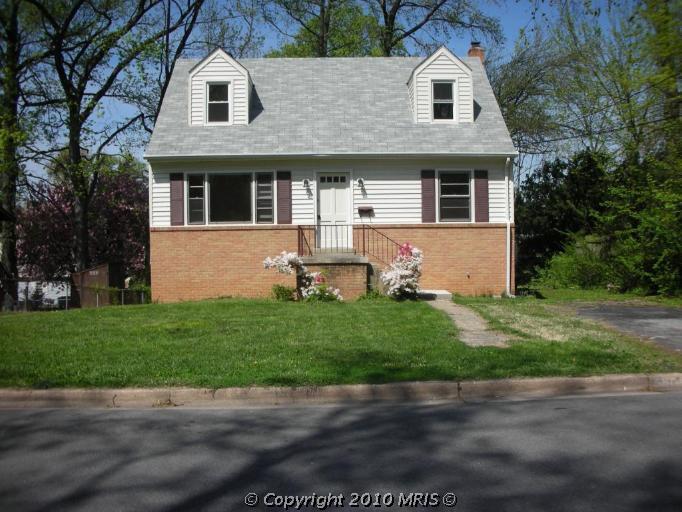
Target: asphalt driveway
662	325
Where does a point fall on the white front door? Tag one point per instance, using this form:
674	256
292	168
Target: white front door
333	207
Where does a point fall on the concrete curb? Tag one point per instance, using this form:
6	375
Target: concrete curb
397	392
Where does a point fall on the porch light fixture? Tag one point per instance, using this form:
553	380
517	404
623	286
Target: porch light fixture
306	183
361	183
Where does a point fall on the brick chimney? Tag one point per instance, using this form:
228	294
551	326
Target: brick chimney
476	50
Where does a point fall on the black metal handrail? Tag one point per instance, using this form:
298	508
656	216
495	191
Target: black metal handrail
344	238
378	245
304	248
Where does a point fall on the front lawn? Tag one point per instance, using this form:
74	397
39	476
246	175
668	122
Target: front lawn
228	342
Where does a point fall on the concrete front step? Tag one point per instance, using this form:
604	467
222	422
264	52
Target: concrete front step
435	294
335	259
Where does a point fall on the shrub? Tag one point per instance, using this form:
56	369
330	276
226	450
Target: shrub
373	295
311	286
580	265
401	278
283	293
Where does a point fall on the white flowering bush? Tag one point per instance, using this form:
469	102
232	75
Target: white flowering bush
312	286
401	278
285	263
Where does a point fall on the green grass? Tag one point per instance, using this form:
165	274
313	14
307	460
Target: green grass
600	295
239	342
583	346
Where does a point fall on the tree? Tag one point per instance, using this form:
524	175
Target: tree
523	86
231	25
556	201
316	19
93	43
429	23
18	55
352	34
118	222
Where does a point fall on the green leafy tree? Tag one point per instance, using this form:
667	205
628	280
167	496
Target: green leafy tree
93	43
20	54
556	201
352	33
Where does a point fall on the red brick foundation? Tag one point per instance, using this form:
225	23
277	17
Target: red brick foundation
350	279
196	263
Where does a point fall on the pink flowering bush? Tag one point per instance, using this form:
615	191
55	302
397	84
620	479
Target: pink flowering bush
401	278
312	286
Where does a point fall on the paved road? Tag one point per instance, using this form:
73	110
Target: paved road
659	324
577	454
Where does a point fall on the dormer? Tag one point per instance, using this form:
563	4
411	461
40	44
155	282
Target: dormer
441	90
220	91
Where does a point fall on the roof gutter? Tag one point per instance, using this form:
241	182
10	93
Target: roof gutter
276	156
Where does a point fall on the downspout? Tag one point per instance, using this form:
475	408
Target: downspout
507	170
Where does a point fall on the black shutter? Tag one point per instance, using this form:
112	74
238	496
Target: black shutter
283	197
428	196
481	196
177	199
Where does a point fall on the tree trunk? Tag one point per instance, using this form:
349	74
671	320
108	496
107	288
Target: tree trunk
80	182
322	35
9	167
388	30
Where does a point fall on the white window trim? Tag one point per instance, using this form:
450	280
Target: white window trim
230	103
455	110
472	205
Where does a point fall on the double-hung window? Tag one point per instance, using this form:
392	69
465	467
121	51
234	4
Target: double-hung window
443	101
455	196
218	103
264	198
195	199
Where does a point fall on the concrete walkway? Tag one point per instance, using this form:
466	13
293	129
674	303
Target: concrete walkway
473	330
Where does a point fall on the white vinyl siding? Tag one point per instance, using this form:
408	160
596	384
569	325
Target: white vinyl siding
410	90
219	70
391	187
444	68
160	199
395	196
497	197
302	199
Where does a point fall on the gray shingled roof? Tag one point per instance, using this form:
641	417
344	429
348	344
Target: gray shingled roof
341	106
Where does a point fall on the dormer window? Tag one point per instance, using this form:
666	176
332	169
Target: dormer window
218	103
443	101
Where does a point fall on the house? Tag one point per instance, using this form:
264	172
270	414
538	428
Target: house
339	159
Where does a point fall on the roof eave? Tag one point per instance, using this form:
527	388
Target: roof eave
169	157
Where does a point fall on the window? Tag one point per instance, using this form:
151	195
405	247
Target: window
218	105
195	199
455	196
229	197
443	101
264	198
